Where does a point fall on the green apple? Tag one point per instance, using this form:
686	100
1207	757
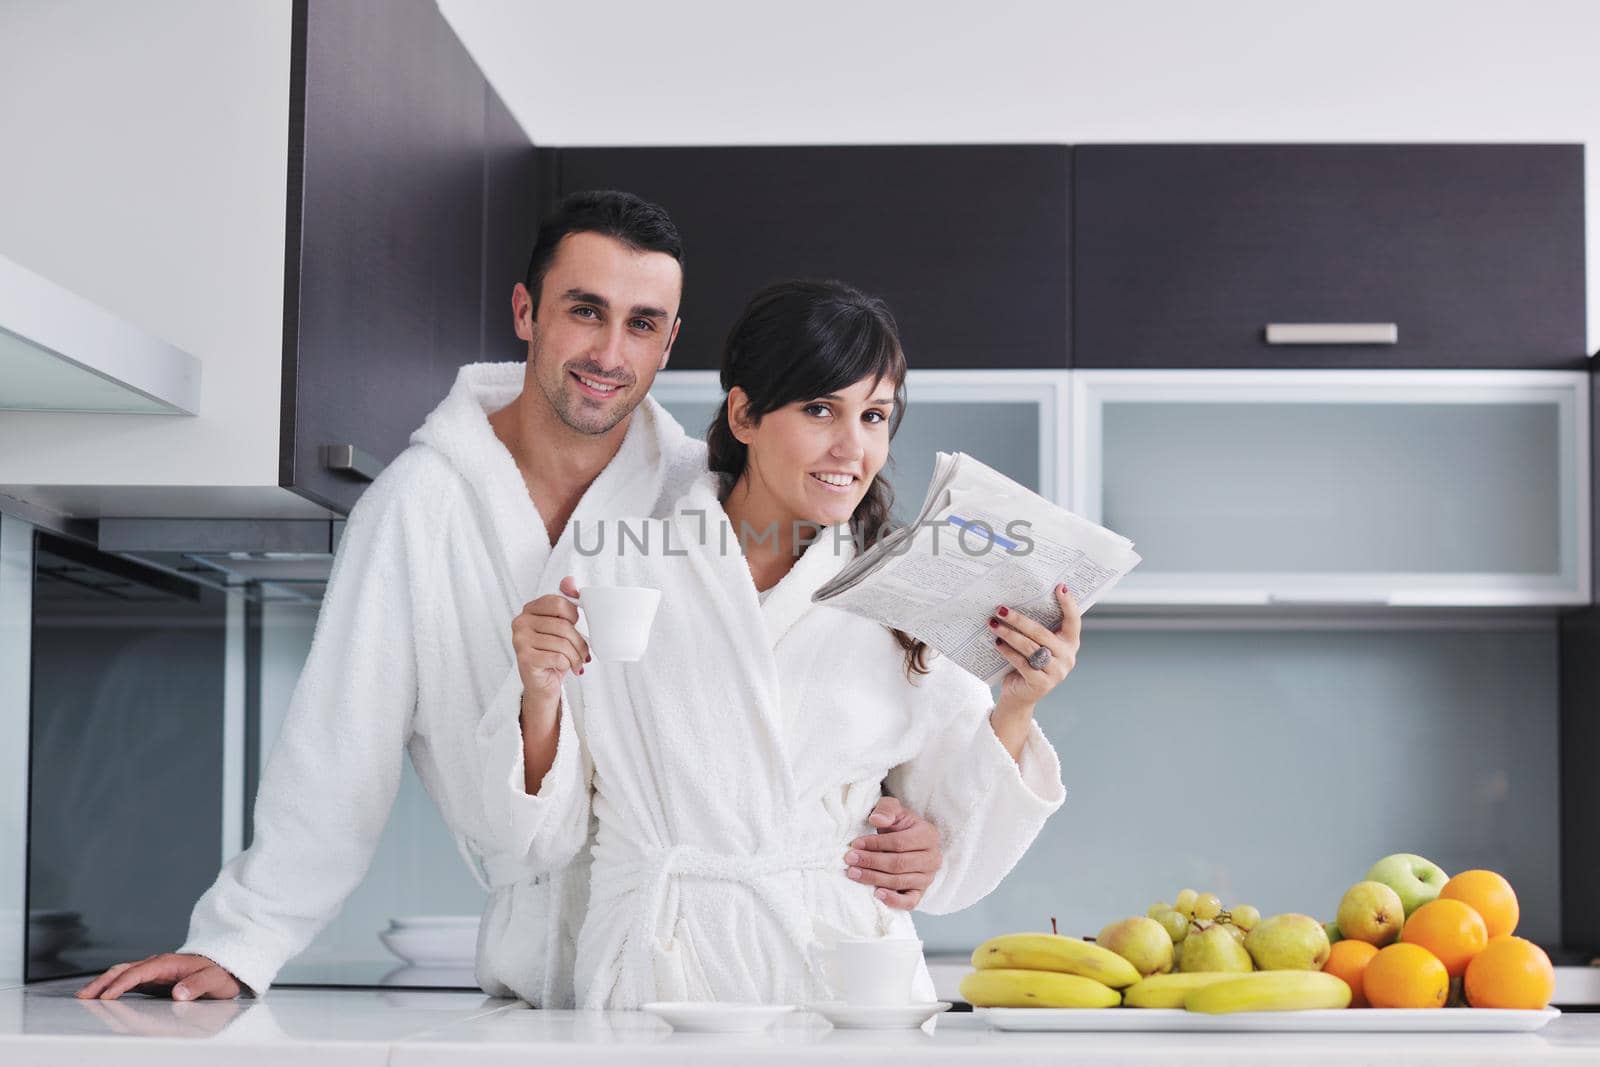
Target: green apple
1371	912
1288	942
1414	879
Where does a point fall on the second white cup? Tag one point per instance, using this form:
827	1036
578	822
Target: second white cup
876	972
619	619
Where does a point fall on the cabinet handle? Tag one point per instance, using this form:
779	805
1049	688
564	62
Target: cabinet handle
348	459
1332	333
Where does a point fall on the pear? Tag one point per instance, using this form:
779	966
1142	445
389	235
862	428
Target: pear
1209	947
1288	942
1371	912
1141	941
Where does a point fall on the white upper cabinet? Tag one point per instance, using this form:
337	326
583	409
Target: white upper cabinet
1464	488
1012	420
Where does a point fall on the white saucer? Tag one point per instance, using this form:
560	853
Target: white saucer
717	1017
893	1017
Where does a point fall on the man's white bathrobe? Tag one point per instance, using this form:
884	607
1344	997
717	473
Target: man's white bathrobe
412	645
730	767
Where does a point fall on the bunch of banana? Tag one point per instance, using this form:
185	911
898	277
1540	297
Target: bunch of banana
1052	952
1170	990
1271	991
1010	987
1045	971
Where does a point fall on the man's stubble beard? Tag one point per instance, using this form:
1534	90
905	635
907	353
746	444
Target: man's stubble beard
568	406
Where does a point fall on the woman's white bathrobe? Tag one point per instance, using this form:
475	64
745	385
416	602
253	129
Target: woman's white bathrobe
412	644
730	768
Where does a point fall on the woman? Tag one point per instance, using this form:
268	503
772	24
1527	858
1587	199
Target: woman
756	716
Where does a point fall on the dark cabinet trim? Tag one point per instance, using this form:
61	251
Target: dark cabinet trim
293	219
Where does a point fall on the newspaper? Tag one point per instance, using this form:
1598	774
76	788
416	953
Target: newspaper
980	541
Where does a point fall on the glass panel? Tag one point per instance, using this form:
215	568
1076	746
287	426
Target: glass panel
125	817
1342	488
1275	767
694	415
16	620
416	869
1003	434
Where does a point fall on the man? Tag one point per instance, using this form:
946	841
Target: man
412	648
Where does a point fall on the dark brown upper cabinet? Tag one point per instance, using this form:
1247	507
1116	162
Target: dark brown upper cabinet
1184	255
411	212
967	243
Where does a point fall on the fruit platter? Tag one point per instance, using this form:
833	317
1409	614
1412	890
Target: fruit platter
1410	948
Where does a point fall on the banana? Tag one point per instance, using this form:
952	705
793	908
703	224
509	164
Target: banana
1271	991
1051	952
1015	988
1170	990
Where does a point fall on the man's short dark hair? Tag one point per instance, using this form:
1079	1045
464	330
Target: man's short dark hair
637	223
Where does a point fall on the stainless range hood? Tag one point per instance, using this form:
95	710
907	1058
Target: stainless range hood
60	352
270	559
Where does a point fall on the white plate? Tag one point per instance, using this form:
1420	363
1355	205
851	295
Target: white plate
417	922
716	1017
436	947
864	1017
1439	1020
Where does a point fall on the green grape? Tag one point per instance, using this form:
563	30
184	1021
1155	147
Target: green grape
1207	906
1157	908
1238	934
1183	904
1176	925
1245	917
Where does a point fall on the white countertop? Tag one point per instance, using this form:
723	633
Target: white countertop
44	1024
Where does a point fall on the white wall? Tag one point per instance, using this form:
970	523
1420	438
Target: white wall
146	152
630	72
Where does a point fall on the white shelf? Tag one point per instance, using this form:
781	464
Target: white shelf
60	352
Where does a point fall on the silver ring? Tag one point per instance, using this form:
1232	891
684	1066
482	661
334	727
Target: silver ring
1040	658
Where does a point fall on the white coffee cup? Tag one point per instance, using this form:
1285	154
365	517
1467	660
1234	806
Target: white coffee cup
874	972
618	618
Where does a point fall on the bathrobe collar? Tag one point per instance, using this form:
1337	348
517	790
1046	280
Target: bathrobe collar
787	601
459	430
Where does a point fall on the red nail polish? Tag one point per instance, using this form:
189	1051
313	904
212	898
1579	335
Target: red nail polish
1000	642
993	622
1002	612
580	670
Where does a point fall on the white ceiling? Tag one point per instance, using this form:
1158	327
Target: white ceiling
744	71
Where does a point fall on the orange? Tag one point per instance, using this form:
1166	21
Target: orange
1348	960
1450	930
1511	973
1490	895
1405	976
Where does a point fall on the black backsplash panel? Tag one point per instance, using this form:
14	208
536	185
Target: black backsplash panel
124	819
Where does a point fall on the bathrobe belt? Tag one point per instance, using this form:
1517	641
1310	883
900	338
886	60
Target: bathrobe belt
501	870
651	874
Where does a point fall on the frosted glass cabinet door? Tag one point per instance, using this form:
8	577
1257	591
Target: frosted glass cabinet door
1396	487
1008	419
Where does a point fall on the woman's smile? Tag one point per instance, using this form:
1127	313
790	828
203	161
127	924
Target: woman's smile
836	482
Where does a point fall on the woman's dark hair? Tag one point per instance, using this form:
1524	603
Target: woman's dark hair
799	340
636	223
